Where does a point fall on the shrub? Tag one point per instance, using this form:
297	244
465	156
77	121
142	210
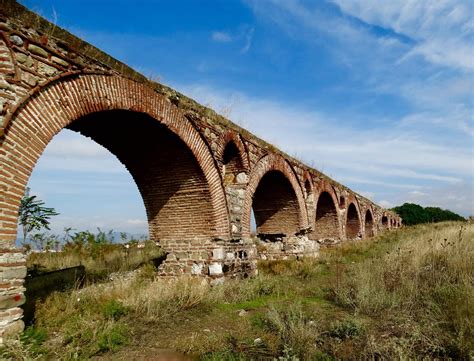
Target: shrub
114	309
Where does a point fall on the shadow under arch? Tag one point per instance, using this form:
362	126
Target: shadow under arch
369	224
326	219
352	222
276	197
170	180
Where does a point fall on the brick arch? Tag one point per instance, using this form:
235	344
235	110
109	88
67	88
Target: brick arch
326	219
61	102
369	223
232	156
353	219
274	166
232	137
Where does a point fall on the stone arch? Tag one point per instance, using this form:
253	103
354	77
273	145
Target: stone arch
384	221
83	97
353	226
280	201
369	223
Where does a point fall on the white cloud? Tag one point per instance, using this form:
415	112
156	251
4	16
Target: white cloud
386	204
315	134
459	199
72	144
221	37
425	56
71	151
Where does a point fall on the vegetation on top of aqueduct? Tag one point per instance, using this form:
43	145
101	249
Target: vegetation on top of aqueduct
404	294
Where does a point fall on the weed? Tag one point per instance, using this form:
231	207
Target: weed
297	333
114	310
345	329
147	272
112	337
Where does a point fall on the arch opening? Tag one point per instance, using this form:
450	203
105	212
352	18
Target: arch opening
89	187
172	184
369	224
342	202
232	163
57	106
275	206
385	222
352	222
327	223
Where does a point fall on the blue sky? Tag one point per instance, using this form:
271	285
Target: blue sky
377	94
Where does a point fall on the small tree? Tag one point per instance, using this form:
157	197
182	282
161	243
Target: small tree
33	215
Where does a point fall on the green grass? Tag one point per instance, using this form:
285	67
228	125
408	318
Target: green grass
405	294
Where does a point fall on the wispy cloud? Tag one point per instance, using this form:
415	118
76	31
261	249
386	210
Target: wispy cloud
443	29
243	35
248	40
432	73
221	37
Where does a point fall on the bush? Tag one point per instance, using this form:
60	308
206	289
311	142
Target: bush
413	214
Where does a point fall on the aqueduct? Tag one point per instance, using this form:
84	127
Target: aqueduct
200	175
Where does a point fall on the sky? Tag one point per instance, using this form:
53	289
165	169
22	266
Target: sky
376	94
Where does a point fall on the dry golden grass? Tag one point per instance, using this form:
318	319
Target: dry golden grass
405	294
422	290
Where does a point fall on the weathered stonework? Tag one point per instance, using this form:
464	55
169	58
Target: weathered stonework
294	247
199	174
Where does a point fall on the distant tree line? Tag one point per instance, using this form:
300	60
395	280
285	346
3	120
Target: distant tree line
415	214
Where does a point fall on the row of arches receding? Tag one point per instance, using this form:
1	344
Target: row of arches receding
183	192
